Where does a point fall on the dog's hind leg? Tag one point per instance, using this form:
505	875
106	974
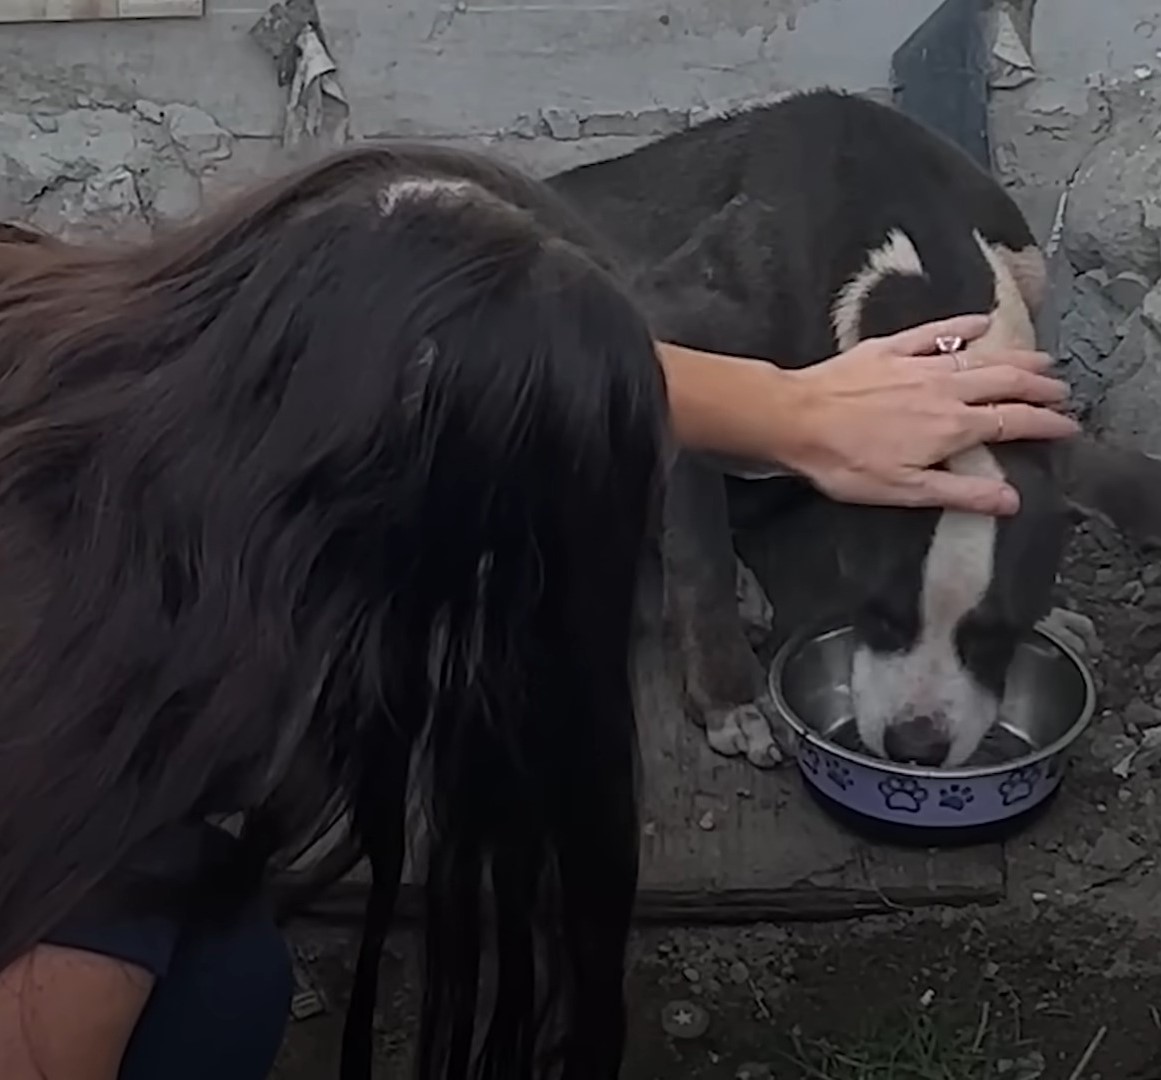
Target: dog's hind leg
724	682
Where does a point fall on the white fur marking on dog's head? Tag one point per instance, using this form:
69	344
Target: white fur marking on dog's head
930	679
896	255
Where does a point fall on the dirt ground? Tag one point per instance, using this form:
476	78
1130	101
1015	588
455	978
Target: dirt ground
1060	982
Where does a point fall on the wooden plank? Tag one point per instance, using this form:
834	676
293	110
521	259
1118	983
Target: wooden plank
765	852
724	841
25	11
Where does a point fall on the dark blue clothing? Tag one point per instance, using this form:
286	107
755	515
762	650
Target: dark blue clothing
220	1001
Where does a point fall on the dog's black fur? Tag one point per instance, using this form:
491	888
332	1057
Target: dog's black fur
738	236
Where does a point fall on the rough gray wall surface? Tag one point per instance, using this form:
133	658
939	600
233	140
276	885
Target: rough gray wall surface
140	120
124	125
133	120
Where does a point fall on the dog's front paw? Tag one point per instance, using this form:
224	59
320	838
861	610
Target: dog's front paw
1074	629
744	729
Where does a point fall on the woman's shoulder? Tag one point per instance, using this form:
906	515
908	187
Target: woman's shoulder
135	918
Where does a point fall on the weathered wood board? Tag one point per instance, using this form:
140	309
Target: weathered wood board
21	11
723	842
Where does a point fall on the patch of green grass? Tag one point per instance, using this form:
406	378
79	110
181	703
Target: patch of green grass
920	1044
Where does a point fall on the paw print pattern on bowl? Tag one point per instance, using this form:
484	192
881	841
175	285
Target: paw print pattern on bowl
809	758
838	774
1019	785
903	793
956	797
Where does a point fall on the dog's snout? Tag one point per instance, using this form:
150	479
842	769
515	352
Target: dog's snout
918	741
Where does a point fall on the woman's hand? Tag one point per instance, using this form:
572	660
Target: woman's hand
869	425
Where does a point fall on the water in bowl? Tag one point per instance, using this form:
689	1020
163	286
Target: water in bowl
1002	744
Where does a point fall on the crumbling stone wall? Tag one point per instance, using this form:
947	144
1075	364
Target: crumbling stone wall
1076	123
125	126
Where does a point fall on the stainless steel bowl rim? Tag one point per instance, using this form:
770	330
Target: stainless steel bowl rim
798	640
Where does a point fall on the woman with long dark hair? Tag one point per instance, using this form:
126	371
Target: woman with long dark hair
341	490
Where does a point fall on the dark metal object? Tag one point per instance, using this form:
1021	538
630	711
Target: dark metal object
939	76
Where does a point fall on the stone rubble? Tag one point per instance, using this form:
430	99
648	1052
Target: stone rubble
1110	331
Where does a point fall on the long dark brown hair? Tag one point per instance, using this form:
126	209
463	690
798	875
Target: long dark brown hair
341	488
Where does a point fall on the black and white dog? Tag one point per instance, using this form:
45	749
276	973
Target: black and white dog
790	232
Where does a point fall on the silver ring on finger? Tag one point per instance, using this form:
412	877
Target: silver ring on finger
949	343
999	437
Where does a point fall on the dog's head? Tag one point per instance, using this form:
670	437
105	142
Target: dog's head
945	598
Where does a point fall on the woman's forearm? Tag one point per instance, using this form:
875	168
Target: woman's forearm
745	409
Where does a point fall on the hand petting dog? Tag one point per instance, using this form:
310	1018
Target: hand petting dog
873	424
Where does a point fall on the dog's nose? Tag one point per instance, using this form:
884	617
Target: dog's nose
918	741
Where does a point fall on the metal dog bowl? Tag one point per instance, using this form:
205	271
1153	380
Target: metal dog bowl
1049	701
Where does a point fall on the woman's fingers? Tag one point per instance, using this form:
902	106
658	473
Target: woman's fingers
1013	421
921	340
973	494
960	363
986	384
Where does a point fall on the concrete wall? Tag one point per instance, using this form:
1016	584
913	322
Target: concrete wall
547	84
130	123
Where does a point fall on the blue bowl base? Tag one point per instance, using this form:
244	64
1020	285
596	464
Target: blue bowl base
898	834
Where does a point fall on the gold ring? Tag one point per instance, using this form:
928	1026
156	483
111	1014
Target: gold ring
999	423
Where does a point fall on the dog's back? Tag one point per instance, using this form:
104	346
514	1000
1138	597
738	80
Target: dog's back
831	178
793	231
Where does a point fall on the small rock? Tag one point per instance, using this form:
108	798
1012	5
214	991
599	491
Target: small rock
1039	897
1141	715
177	193
1127	290
1114	852
149	110
112	195
1142	757
684	1020
753	1070
1151	309
1132	592
706	821
739	973
1110	749
1130	381
1120	175
691	974
45	122
1151	575
194	130
562	123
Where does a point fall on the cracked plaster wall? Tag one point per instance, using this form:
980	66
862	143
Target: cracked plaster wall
130	123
